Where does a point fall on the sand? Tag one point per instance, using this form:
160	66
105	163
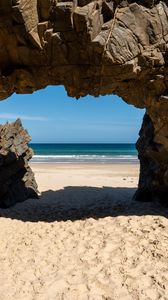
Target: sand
84	239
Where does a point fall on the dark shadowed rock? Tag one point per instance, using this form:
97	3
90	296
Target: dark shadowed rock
95	47
17	182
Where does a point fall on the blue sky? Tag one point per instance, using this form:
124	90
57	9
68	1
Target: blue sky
51	116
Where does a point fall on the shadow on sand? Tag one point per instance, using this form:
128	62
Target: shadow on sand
79	203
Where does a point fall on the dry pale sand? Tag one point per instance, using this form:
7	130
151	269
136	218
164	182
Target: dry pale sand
84	239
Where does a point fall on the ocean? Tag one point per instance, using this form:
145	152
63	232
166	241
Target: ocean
84	153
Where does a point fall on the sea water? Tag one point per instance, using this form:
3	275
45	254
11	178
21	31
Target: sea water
84	153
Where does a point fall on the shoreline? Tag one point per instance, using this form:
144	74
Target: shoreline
115	162
116	168
50	164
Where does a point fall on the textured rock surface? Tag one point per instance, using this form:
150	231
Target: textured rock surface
153	155
17	182
94	47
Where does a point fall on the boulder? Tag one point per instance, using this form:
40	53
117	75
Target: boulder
17	182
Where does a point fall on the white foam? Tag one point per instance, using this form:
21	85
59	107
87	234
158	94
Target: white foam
83	158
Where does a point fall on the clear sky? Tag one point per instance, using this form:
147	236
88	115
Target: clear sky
51	116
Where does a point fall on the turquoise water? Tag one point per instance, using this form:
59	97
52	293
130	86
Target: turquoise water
84	153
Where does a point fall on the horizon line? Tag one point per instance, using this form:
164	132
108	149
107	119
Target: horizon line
64	143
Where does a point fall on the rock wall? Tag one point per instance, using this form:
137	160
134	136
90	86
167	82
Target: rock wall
94	47
91	47
153	154
17	182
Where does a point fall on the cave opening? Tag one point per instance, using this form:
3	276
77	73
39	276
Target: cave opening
91	130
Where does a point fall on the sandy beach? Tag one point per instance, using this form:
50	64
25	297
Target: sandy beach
84	238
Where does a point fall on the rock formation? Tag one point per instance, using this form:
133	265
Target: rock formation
17	182
95	47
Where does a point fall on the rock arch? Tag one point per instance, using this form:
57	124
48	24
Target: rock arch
95	47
